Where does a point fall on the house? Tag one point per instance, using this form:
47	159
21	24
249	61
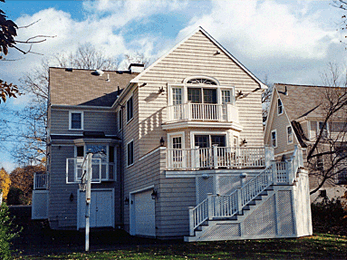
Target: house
296	116
185	154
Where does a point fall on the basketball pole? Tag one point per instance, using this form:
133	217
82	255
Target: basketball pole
88	197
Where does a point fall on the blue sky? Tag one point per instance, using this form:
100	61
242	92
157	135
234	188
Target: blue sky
281	40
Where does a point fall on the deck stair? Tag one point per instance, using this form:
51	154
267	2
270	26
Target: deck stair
222	217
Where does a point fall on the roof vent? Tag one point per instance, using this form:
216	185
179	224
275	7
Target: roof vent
136	67
97	72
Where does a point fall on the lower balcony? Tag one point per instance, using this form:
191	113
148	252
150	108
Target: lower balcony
216	158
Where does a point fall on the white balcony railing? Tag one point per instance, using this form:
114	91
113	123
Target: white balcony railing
215	157
203	112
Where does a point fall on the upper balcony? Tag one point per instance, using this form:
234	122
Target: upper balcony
203	112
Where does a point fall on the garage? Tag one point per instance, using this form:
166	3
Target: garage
101	208
143	214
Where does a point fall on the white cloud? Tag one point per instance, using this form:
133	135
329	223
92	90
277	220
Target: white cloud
266	29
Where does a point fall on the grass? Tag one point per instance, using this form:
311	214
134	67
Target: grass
318	246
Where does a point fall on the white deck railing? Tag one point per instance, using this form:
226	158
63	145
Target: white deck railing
203	112
40	181
215	157
216	206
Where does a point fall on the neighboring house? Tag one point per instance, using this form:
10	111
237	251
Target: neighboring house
295	118
185	155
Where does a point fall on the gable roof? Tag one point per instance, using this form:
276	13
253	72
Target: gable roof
79	87
262	85
303	100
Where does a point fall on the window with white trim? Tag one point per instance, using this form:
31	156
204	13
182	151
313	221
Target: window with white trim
75	120
106	154
130	153
279	107
130	109
120	119
289	134
274	138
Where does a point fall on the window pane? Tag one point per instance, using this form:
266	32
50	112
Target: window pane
80	151
194	95
218	140
279	107
76	121
177	142
111	154
130	153
130	109
202	140
210	96
176	96
289	134
99	151
226	96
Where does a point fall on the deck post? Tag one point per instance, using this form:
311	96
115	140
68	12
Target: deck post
209	206
196	157
191	221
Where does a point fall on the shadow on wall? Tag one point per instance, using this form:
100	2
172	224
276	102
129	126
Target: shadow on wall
151	128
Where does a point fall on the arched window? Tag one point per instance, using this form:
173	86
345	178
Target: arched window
201	81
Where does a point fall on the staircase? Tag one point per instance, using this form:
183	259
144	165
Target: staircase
251	211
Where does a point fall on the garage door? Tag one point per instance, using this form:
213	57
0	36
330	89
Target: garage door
144	209
101	209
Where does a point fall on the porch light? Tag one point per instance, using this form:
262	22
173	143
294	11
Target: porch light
162	142
154	194
71	197
126	201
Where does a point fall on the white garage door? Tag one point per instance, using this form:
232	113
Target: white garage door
144	209
101	209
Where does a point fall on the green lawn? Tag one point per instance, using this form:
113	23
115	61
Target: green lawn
319	246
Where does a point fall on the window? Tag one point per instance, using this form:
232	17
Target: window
120	119
107	159
176	96
279	107
320	163
129	109
177	142
130	151
75	120
289	134
226	96
274	138
209	140
324	128
202	95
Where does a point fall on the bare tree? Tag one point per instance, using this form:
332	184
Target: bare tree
266	98
32	147
327	153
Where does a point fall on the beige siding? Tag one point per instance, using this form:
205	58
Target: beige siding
279	123
195	57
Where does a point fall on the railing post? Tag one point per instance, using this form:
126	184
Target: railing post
290	171
210	206
35	176
191	221
239	200
274	172
215	156
269	155
196	157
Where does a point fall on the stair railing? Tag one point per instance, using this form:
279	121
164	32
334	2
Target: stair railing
222	206
226	206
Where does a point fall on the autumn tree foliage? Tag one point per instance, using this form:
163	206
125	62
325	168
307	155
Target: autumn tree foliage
5	183
22	179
